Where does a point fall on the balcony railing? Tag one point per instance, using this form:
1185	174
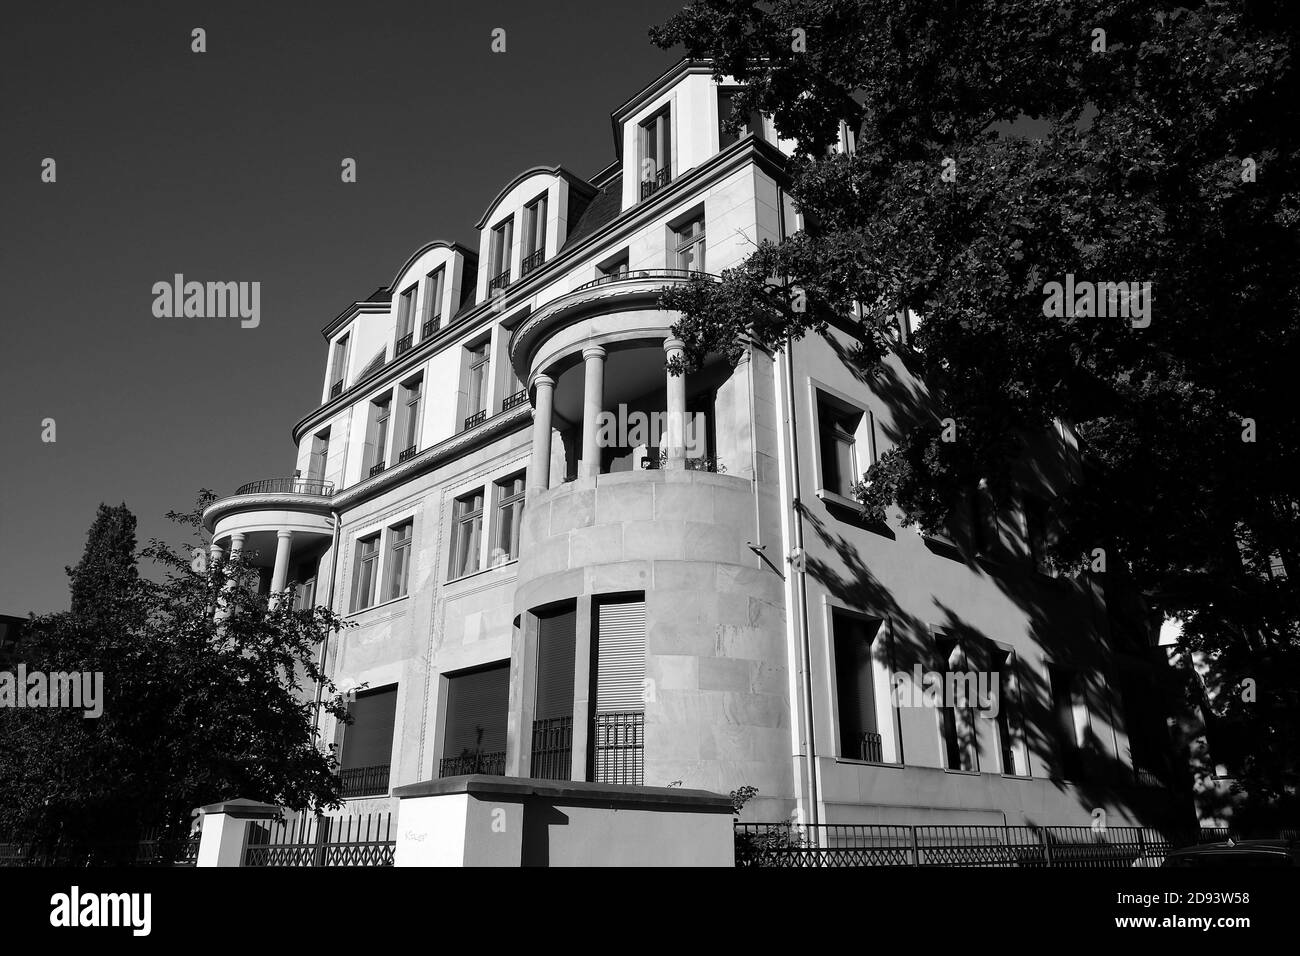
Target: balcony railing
499	281
514	401
644	274
336	389
492	764
377	468
364	781
655	183
427	330
552	748
280	486
872	748
620	748
408	453
531	262
404	344
478	418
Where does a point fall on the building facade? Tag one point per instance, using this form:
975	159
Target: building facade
564	562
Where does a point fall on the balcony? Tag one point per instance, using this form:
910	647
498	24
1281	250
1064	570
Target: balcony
655	183
364	781
377	468
531	262
499	282
404	344
670	275
492	764
514	401
408	453
336	389
287	486
427	330
478	418
552	748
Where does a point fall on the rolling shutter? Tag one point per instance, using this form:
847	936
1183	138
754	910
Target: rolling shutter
556	635
620	660
368	740
477	704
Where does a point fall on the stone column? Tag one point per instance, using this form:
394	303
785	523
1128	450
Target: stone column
539	465
215	554
674	442
280	574
593	402
236	544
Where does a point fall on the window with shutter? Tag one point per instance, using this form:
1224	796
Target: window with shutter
474	740
618	733
553	708
368	740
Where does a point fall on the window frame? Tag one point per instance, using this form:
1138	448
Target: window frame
400	551
361	560
460	521
863	440
503	499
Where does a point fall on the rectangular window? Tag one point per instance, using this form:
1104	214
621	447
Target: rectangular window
467	531
499	255
1010	720
405	319
367	571
753	123
689	252
478	705
956	713
478	383
409	435
368	743
860	737
613	267
433	291
320	453
339	366
618	731
656	153
510	513
534	235
377	434
837	435
399	559
1070	709
552	743
1036	533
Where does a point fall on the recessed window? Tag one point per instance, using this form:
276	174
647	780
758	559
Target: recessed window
467	534
408	437
1037	533
478	382
478	707
618	725
320	453
367	572
616	266
860	737
499	255
534	252
399	559
510	512
339	365
656	153
689	244
368	743
377	434
753	122
957	711
837	429
1070	710
433	290
405	320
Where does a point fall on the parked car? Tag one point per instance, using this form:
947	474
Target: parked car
1233	853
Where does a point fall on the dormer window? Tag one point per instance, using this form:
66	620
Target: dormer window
753	123
405	320
534	235
503	237
656	153
339	366
689	252
433	289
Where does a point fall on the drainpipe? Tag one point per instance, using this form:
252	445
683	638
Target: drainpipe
800	585
329	603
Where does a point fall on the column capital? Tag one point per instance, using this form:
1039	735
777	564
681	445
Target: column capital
284	533
674	345
593	351
542	380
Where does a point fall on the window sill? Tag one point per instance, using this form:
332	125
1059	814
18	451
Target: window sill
852	762
375	607
480	571
835	498
965	773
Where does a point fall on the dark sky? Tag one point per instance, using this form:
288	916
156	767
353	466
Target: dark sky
225	166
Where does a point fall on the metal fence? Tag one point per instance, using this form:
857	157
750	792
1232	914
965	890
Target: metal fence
318	840
150	849
837	844
619	747
552	748
493	764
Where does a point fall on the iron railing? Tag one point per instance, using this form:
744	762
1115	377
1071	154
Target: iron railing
514	401
376	468
478	418
499	281
532	262
336	389
364	781
408	453
837	844
1148	777
427	330
278	486
316	840
655	183
492	764
642	274
552	748
872	748
404	344
619	748
153	847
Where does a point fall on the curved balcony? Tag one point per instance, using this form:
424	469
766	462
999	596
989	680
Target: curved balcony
259	510
294	485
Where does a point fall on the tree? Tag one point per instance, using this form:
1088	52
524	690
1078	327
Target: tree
1005	145
196	709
